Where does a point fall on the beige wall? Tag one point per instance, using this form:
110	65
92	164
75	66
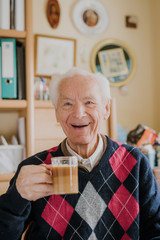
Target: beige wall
140	104
156	42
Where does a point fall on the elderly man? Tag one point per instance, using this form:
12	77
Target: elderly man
118	195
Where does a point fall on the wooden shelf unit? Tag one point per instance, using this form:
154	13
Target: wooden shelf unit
24	107
13	104
12	33
4	181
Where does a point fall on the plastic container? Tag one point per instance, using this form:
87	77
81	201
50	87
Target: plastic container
38	89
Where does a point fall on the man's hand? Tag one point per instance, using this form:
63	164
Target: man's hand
35	181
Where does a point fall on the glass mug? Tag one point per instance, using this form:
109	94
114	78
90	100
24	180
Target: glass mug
65	174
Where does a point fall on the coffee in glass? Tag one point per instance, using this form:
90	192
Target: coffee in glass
65	174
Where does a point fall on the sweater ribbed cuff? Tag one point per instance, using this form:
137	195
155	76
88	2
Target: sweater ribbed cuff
16	203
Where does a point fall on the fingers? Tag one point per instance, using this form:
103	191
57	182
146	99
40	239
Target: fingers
35	181
38	191
42	177
35	168
47	166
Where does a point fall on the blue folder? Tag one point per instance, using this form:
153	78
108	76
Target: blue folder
8	68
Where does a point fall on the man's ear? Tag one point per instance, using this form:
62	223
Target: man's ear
107	110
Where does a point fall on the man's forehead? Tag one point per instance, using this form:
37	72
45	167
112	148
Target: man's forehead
82	85
81	94
78	84
78	81
78	77
68	97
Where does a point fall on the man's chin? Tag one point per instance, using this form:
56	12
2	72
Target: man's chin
80	141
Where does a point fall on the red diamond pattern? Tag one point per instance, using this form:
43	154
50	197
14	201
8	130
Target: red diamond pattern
122	163
124	207
49	156
126	237
57	213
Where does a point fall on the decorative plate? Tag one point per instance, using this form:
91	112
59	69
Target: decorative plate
90	17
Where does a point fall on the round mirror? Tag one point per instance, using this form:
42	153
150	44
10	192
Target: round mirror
115	60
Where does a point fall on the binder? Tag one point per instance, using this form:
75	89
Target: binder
12	14
5	14
8	68
20	15
21	81
0	72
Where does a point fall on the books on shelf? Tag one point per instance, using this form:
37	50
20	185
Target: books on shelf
19	15
0	73
8	68
12	14
12	69
5	14
21	83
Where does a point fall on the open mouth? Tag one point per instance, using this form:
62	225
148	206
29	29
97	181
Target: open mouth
80	126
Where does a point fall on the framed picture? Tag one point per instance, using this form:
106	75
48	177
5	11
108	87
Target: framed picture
54	55
53	13
90	17
115	60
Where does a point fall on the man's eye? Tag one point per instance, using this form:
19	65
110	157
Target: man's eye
89	102
67	104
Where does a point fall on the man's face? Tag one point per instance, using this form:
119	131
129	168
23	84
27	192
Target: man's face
81	109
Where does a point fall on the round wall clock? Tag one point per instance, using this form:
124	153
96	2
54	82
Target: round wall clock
53	13
90	17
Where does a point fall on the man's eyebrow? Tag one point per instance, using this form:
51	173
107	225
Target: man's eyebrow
64	98
89	97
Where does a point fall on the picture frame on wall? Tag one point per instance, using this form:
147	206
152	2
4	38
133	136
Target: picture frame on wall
90	17
113	62
115	59
54	55
53	13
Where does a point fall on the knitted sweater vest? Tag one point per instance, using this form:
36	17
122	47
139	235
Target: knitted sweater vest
118	199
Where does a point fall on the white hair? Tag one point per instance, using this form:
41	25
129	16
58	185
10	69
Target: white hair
58	78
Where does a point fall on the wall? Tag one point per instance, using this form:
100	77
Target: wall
139	104
156	40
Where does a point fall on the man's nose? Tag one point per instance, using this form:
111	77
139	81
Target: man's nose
79	110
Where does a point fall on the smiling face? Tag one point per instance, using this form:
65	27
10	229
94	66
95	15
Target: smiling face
81	110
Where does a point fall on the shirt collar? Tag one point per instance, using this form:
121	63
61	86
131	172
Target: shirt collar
90	162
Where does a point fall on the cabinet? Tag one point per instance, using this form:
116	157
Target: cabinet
12	109
47	132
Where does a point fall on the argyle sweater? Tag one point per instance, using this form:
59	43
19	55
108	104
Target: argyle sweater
118	199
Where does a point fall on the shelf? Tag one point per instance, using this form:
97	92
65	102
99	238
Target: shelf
6	176
13	104
43	104
12	33
24	108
